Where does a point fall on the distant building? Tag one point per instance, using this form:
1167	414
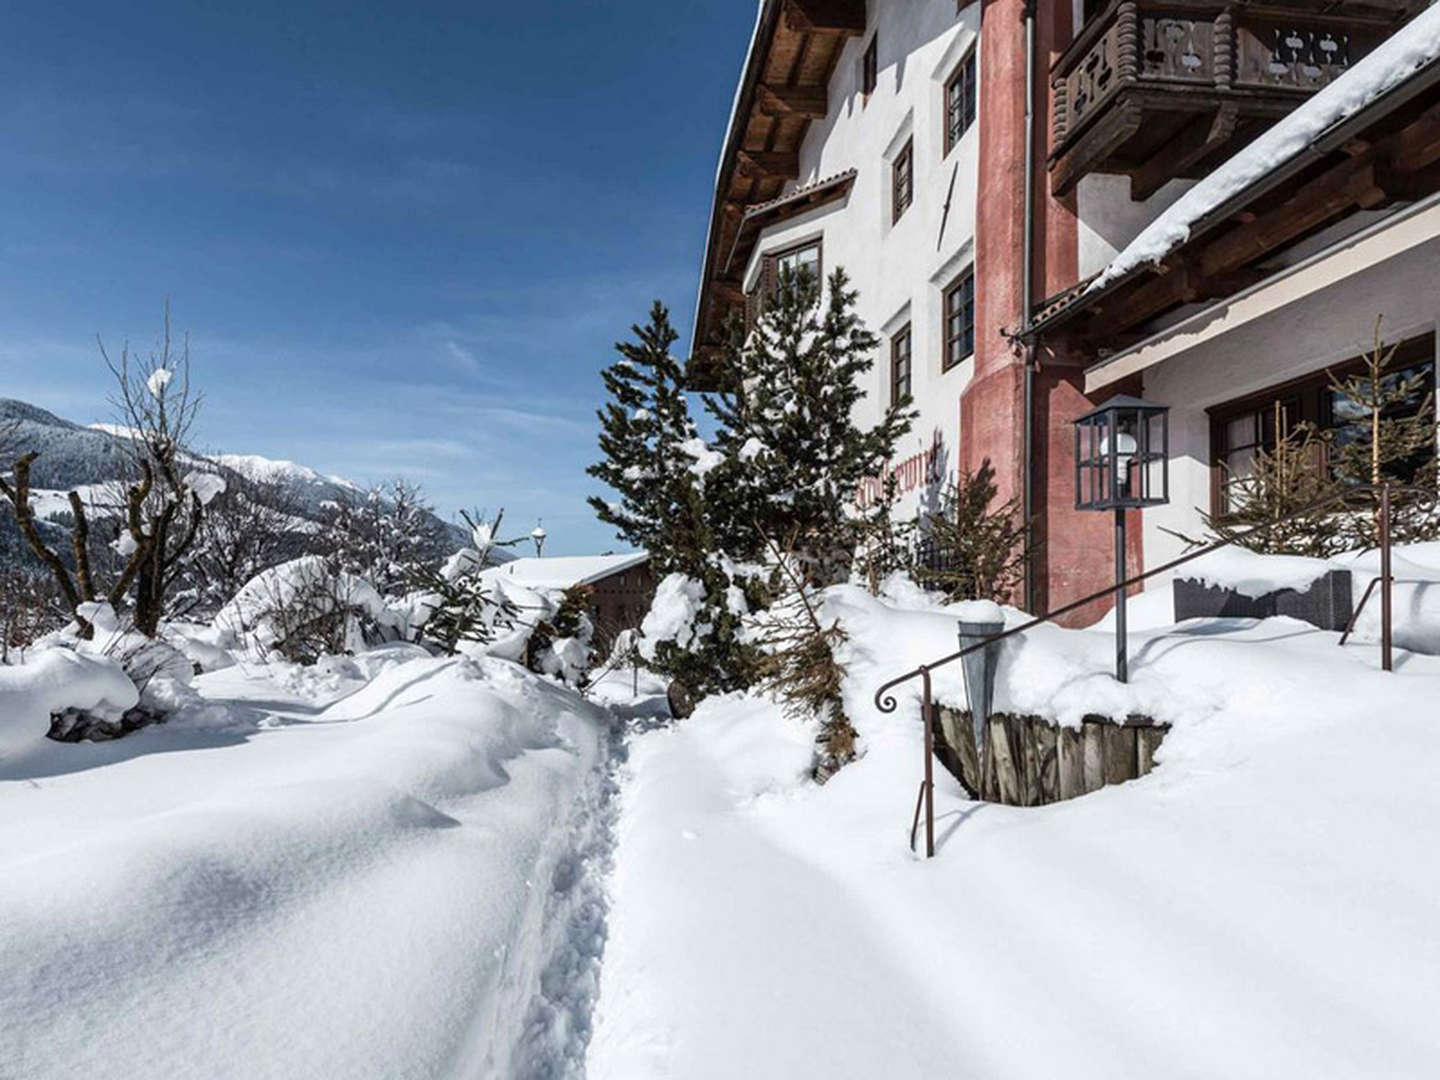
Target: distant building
623	586
891	137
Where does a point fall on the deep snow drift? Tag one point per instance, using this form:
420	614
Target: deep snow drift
1262	905
395	883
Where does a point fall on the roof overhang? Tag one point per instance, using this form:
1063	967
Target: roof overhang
783	89
1389	238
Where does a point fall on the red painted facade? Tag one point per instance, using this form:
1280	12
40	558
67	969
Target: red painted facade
1075	550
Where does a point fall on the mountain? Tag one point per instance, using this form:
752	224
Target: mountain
74	456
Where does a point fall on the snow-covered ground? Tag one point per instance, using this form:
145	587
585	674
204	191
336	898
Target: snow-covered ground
1262	905
383	868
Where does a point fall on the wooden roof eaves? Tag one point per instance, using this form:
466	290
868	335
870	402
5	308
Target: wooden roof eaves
755	62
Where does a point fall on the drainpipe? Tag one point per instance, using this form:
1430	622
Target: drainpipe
1027	291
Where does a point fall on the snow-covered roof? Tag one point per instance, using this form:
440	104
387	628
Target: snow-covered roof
1398	58
564	571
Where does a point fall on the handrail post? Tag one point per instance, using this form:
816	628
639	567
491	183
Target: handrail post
925	707
1386	644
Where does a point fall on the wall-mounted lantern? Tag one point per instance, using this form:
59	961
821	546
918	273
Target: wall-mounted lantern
1122	453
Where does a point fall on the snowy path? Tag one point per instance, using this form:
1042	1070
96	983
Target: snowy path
400	885
793	979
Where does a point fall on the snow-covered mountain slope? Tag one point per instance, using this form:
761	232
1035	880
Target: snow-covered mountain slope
395	884
89	458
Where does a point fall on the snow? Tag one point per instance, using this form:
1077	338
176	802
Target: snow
1406	51
52	681
1255	575
158	380
205	486
255	467
678	600
705	458
564	571
398	883
1258	906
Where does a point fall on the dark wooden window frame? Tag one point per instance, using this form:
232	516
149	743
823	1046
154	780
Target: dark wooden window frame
870	66
902	360
902	180
964	286
964	103
768	280
1305	400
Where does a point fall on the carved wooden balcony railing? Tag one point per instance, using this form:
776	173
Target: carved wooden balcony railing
1162	90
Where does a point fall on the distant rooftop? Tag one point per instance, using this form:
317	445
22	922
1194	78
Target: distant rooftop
564	571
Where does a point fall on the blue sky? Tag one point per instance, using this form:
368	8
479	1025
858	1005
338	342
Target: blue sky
403	237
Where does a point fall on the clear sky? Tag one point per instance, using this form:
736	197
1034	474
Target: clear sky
402	236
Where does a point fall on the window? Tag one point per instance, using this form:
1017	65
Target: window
900	365
959	319
902	181
960	101
793	260
805	257
870	67
1240	430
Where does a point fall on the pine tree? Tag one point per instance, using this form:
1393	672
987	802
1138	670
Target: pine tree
793	455
971	551
649	440
1386	438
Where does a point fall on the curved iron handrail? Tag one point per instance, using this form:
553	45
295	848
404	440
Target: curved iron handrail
886	702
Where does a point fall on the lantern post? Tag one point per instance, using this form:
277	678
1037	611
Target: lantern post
1122	455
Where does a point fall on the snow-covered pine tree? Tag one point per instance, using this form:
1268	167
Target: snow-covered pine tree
794	456
648	439
1388	434
655	460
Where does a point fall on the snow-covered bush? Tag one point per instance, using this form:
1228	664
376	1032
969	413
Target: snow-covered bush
560	644
65	683
302	610
385	535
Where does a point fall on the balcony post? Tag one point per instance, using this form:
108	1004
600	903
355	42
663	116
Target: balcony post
1225	48
1127	51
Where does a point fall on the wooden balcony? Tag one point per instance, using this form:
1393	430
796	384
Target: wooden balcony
1160	91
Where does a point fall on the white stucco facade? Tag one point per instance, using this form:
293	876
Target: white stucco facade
1318	313
899	269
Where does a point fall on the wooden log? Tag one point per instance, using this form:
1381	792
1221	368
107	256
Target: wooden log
955	748
1092	738
1007	778
1027	731
1147	741
1046	742
1071	763
1119	753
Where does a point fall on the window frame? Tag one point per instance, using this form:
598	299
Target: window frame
870	66
963	72
902	347
902	181
767	281
949	360
1306	400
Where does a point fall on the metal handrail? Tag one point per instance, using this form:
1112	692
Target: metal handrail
885	702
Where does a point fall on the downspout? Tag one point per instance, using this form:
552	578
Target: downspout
1027	292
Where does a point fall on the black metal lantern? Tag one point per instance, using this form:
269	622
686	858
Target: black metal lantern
1122	454
1122	451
